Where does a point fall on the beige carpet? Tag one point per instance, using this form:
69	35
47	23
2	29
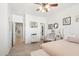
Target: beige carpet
24	49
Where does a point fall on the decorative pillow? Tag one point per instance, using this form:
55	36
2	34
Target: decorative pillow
73	39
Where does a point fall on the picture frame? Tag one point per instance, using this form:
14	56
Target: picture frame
50	26
77	19
33	24
67	21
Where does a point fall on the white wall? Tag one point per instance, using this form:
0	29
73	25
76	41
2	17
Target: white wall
4	29
72	12
17	18
10	26
29	31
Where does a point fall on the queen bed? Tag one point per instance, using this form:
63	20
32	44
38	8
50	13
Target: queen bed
61	48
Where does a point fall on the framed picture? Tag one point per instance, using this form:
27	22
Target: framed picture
33	24
77	19
50	26
67	21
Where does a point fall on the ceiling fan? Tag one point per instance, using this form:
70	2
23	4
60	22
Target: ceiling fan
44	7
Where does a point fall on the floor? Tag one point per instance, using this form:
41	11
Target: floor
24	49
19	40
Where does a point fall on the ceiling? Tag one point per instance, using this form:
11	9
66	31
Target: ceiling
30	8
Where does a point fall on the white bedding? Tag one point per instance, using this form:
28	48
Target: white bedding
61	48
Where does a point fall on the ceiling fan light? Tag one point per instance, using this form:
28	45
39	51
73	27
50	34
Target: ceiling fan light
47	6
43	10
40	8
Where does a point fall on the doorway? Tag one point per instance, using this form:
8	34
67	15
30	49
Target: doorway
19	33
42	31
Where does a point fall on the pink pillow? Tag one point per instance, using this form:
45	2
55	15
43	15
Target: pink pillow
73	39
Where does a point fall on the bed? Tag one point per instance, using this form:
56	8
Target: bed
61	48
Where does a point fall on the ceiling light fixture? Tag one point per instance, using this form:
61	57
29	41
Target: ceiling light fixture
45	7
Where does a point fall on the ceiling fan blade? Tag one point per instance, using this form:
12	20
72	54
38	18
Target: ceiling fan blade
53	5
37	9
38	3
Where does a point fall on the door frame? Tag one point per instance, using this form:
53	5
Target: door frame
14	34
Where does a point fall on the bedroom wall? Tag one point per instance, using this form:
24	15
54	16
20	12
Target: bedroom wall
29	31
4	29
68	30
10	26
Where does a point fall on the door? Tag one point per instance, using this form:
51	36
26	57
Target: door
42	31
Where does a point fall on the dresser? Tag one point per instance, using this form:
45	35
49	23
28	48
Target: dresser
35	37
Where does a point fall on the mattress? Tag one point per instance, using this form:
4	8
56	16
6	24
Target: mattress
61	48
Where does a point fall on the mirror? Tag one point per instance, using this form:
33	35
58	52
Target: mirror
56	25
